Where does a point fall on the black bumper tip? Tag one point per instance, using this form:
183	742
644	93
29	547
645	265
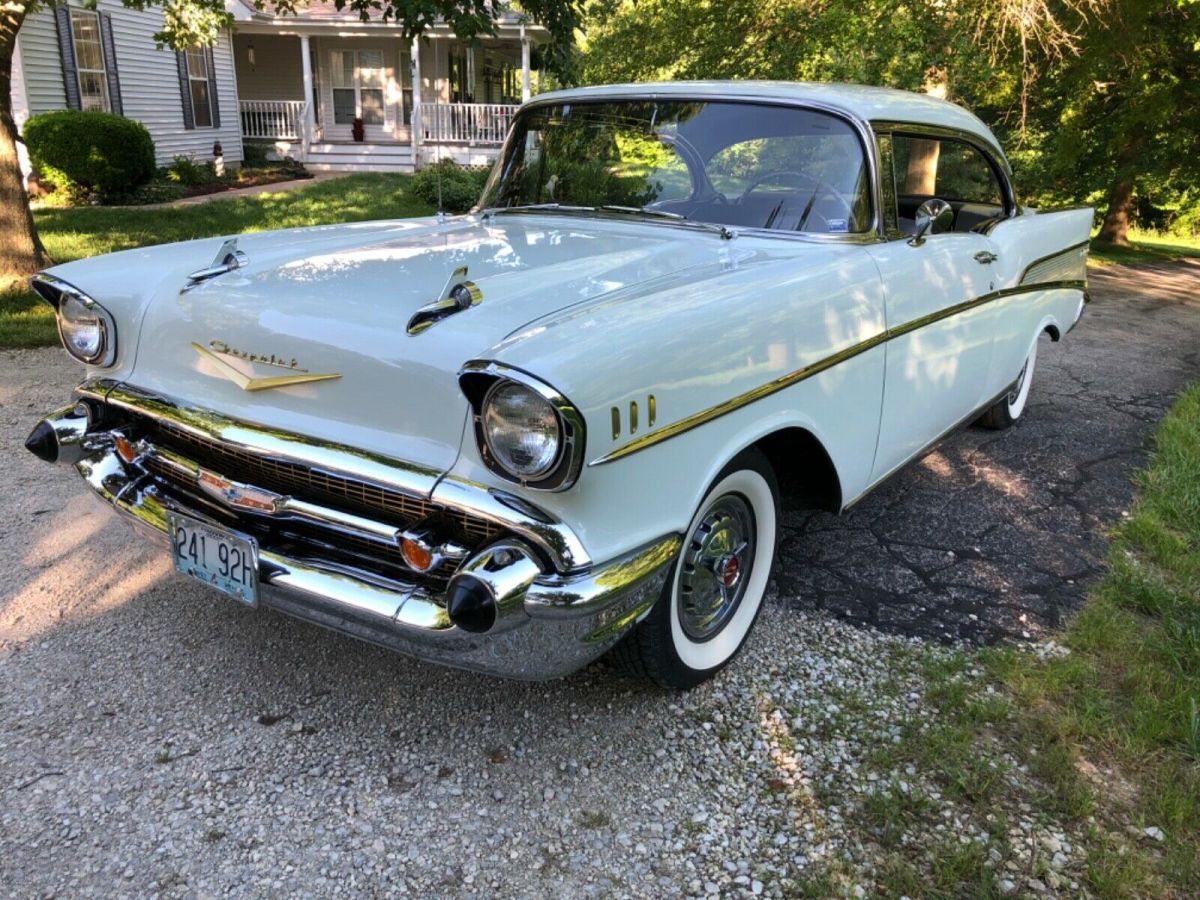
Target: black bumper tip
43	442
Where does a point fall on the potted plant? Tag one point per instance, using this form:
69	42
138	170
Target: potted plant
356	130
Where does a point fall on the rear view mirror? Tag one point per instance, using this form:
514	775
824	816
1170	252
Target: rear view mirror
933	217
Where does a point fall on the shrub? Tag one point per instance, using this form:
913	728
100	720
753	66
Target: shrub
186	171
460	186
90	151
254	153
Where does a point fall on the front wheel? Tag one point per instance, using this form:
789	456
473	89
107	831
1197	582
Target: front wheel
716	589
1005	411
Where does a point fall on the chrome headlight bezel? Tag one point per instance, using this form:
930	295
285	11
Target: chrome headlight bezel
481	381
60	294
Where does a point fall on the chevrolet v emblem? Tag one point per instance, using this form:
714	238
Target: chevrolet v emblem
249	383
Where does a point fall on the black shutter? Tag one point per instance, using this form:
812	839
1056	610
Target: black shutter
212	89
110	64
185	90
66	51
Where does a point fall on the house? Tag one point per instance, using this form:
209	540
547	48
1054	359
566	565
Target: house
293	83
71	57
303	80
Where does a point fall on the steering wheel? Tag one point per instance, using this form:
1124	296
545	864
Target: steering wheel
819	188
781	173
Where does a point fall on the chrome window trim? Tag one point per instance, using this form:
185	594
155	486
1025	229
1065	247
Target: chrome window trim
569	463
871	234
992	155
561	546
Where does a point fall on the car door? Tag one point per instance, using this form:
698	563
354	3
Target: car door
939	347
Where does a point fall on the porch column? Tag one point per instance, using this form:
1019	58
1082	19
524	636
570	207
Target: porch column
310	112
526	91
414	119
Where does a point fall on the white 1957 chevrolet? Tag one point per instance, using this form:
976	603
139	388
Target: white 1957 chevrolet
564	423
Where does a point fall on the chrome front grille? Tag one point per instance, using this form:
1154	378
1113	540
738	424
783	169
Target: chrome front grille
315	485
287	477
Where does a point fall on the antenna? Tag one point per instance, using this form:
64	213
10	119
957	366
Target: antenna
441	213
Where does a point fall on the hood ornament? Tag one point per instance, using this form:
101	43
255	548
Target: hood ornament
215	350
458	295
228	258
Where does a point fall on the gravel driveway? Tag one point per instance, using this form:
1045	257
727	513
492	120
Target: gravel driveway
156	739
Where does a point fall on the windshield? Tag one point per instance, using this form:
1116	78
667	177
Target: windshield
736	164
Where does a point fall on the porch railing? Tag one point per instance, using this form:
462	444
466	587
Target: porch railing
276	120
466	123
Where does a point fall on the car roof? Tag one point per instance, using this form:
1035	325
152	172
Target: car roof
863	102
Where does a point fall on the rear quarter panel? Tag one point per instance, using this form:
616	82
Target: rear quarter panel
1043	266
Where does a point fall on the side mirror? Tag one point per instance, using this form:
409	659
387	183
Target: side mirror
933	217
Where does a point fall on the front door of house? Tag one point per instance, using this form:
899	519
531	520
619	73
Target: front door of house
357	81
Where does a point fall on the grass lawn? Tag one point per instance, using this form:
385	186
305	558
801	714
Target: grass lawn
1145	247
75	233
1096	735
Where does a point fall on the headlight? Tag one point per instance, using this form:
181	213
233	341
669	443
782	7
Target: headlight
85	327
81	328
526	431
521	430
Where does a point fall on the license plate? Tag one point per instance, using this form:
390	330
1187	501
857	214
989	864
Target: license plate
215	557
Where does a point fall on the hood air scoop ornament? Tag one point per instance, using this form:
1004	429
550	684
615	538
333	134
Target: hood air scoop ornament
458	295
228	258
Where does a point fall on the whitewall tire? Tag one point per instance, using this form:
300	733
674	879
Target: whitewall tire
1005	411
715	591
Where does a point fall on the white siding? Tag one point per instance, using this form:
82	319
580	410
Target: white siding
41	64
149	82
276	73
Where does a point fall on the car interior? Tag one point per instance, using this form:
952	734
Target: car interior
949	170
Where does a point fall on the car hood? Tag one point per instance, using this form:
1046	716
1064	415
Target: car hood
337	301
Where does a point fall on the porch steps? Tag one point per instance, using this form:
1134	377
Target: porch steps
356	157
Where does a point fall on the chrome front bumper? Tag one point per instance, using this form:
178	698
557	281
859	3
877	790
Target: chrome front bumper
558	622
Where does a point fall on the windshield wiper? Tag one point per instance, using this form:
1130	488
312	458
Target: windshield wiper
677	218
611	208
538	207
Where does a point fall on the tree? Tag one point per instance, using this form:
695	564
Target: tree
1094	99
191	23
1132	103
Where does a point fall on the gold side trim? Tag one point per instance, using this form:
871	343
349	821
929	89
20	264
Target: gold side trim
246	383
695	420
707	415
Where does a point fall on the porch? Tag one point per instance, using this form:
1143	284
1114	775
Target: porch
308	94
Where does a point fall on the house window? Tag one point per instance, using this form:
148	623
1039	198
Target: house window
89	61
197	67
357	85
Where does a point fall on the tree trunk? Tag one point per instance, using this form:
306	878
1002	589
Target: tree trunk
21	251
1115	229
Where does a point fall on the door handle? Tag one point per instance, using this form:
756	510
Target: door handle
983	257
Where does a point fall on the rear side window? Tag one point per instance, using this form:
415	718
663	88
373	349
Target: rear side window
946	169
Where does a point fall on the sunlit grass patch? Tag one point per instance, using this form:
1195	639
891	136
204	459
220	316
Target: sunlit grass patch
1145	246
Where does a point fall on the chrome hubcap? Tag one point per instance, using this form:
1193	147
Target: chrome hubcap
716	567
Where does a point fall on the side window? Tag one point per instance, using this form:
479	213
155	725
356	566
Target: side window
947	169
89	60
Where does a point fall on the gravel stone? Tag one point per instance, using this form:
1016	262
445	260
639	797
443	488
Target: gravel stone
157	739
